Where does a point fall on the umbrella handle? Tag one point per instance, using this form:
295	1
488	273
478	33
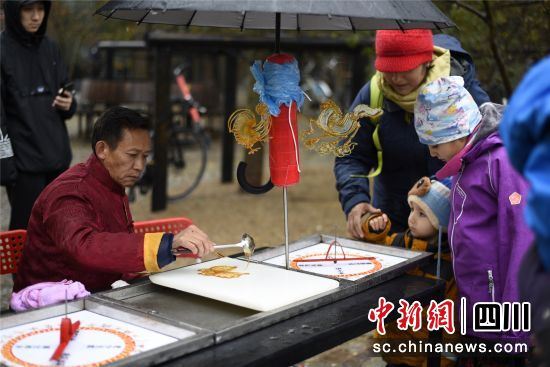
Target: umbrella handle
248	187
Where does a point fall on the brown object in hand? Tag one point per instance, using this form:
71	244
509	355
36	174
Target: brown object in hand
365	222
221	271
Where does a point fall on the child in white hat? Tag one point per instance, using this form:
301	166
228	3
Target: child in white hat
487	233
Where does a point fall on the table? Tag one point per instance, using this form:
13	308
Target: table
308	334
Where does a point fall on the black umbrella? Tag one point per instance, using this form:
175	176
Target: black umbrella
299	15
349	15
339	15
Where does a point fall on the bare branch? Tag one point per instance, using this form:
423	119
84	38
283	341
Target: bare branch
470	8
521	4
494	48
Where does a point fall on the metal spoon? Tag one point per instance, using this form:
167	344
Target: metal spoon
246	243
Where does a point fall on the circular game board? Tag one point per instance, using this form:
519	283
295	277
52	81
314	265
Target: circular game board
342	268
98	341
96	346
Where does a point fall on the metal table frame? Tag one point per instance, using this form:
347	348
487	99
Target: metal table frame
308	334
412	258
282	343
229	321
184	344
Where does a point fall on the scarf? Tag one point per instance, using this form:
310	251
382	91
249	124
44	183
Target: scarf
441	66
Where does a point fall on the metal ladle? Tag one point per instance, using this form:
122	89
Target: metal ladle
246	243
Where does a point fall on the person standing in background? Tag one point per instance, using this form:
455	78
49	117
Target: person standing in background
34	105
525	130
405	61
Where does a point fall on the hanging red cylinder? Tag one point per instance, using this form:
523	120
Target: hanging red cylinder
283	143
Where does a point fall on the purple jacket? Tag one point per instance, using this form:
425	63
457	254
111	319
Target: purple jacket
487	232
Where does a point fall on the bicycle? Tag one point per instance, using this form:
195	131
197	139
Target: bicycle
187	147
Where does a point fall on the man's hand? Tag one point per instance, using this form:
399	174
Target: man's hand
354	218
64	101
195	240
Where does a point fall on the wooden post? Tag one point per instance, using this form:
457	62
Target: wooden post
358	78
109	73
228	141
162	116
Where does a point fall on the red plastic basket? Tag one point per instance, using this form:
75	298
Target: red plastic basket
11	248
172	225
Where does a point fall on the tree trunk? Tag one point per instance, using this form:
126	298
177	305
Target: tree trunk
494	48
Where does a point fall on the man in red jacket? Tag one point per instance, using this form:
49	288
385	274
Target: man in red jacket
81	227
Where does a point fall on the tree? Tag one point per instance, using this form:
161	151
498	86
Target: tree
510	35
76	30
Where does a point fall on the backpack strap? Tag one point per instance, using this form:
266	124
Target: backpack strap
376	99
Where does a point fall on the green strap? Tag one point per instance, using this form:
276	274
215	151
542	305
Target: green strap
376	98
376	140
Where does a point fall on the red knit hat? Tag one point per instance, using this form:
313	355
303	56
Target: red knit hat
398	51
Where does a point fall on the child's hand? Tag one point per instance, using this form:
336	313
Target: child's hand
378	224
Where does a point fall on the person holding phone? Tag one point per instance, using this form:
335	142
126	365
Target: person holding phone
36	101
64	97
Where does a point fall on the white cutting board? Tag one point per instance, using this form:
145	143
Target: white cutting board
264	288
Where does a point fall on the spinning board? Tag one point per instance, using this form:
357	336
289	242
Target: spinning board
99	340
344	269
262	288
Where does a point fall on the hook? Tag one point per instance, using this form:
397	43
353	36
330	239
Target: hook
241	177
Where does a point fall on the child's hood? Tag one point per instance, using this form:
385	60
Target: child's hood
487	136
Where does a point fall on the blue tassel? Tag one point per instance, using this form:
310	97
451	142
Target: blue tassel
277	84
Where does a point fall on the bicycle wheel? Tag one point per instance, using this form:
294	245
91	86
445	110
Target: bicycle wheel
187	154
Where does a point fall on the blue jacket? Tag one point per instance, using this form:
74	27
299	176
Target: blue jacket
525	130
405	160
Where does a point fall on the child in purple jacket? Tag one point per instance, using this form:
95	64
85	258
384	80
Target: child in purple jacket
487	233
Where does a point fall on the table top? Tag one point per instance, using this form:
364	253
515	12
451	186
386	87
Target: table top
313	332
255	286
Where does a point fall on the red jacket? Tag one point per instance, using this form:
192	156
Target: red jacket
81	229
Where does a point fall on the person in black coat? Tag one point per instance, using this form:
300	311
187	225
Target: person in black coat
405	61
34	108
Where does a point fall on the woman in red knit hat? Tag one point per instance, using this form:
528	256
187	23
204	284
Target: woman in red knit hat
405	61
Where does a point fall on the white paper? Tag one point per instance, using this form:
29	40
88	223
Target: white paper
344	269
98	341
